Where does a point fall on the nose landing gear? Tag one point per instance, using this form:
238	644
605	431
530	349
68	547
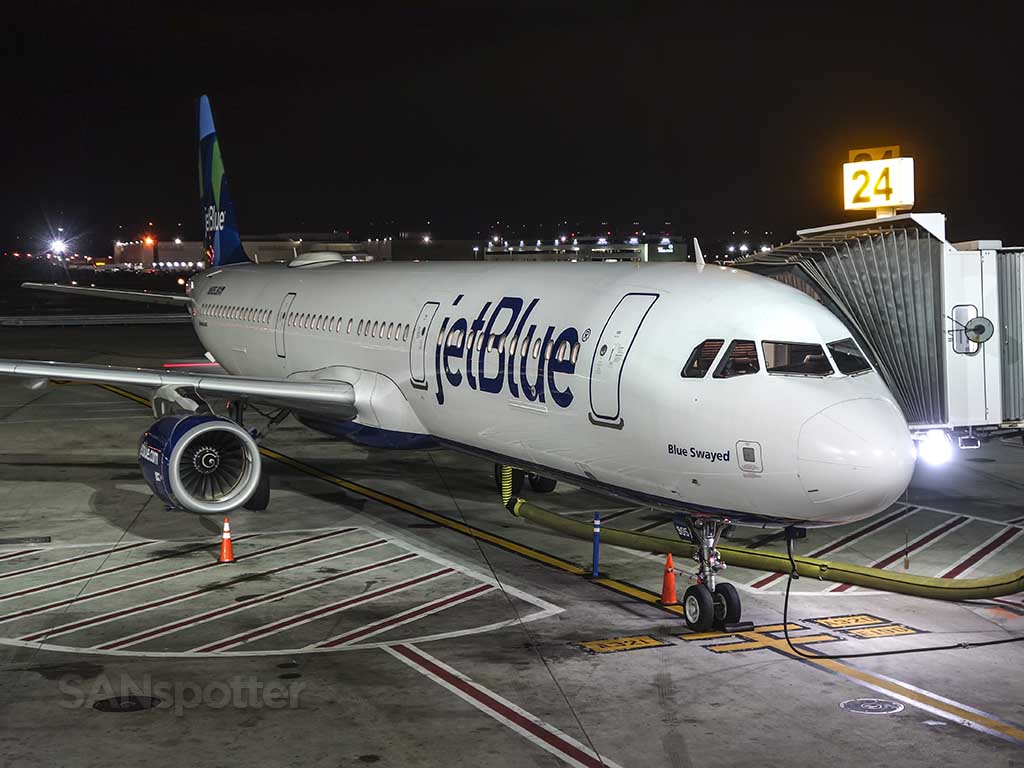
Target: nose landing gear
707	604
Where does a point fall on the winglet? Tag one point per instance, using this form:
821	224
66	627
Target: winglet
698	254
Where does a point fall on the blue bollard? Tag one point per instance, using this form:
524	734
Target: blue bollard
597	544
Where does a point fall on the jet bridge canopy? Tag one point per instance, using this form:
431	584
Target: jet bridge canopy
908	296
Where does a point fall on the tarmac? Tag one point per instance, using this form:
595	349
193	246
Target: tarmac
386	609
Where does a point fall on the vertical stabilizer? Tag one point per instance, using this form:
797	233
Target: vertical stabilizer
221	240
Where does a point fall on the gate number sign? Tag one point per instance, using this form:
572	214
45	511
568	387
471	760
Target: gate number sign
874	184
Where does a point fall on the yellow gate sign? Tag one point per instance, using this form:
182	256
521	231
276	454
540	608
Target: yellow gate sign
879	184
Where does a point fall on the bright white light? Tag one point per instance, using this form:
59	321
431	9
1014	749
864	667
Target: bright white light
936	448
634	241
58	246
744	248
602	241
665	241
426	238
765	249
177	241
563	238
732	248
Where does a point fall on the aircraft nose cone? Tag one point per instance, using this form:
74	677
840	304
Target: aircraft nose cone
855	458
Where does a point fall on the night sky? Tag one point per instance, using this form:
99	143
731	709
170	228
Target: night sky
465	114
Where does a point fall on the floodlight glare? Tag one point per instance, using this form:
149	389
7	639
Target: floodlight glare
936	448
58	246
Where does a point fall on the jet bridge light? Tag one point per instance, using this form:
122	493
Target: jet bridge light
935	447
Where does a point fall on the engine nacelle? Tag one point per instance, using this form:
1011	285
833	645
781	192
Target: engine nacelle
201	463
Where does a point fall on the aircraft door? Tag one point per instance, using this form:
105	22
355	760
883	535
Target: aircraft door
282	321
610	355
418	345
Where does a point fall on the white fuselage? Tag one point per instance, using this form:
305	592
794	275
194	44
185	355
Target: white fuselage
613	413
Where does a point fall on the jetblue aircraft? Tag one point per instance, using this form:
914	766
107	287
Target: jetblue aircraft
713	394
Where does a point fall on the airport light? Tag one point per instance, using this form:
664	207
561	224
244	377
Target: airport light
936	448
58	246
743	248
177	241
765	249
426	239
149	240
732	248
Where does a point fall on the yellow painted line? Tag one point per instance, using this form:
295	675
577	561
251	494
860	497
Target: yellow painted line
617	644
779	627
900	690
962	714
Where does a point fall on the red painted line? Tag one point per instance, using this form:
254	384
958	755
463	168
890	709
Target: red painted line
996	542
842	542
404	616
216	613
488	702
915	545
64	628
12	555
76	559
316	613
116	569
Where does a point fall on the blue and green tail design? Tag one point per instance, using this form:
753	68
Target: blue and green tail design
221	240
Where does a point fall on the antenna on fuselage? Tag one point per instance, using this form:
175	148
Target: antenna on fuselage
698	254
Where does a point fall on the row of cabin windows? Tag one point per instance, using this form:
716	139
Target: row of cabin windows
496	343
780	357
231	312
376	329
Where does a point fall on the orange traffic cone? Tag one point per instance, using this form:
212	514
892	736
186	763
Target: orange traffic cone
668	583
226	554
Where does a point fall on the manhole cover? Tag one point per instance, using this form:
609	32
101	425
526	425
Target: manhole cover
126	704
871	706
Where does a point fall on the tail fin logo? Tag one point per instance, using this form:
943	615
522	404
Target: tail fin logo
214	219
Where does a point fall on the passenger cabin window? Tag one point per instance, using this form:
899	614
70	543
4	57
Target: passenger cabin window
740	359
796	359
701	359
849	359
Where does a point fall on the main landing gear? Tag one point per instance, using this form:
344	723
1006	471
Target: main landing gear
707	604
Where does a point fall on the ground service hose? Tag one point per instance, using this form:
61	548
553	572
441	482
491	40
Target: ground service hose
827	570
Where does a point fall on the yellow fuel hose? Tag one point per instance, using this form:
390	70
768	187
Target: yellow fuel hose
826	570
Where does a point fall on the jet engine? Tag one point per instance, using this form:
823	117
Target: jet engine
201	463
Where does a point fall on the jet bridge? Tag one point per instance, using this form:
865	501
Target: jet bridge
942	322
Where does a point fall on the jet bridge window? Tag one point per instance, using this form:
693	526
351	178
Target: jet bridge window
740	359
796	359
849	359
702	358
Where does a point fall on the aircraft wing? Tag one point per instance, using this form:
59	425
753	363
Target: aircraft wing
334	397
175	299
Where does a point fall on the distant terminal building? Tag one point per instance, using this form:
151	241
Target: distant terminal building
420	246
151	253
178	254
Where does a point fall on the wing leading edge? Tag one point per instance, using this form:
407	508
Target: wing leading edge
334	397
173	299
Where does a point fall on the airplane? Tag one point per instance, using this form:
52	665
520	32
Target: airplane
712	394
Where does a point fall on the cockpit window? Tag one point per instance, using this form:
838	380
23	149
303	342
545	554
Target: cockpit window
849	359
740	359
796	359
701	359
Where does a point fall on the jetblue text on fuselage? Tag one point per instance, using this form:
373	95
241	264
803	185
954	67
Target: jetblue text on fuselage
460	359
